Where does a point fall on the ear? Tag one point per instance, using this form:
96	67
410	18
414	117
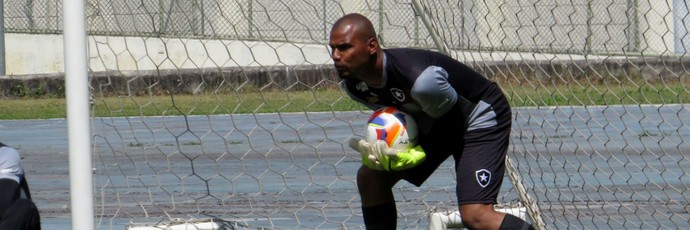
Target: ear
373	45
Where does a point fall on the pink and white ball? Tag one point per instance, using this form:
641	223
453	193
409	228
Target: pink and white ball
393	126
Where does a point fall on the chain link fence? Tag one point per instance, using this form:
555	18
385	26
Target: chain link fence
580	26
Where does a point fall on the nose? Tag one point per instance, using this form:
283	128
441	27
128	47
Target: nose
335	55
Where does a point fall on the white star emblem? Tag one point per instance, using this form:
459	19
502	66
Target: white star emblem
483	177
398	94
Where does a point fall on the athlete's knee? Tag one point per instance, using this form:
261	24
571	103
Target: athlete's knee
474	220
480	216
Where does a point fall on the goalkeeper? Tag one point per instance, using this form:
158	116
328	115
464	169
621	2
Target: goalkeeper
458	112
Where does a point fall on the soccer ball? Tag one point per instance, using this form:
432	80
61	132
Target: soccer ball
395	127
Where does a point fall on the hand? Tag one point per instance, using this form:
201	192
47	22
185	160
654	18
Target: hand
379	156
366	149
401	160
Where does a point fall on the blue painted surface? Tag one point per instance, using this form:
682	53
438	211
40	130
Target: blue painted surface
295	166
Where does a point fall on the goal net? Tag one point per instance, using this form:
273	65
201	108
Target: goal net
230	109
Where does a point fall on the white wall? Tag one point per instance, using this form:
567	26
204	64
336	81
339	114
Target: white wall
43	54
32	54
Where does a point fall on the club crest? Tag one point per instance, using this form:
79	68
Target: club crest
483	177
398	94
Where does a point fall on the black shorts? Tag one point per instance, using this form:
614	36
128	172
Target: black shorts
479	157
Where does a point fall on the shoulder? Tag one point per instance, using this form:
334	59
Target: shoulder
414	53
411	59
9	158
10	164
407	53
9	153
407	61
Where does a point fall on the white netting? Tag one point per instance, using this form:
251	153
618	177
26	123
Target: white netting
230	109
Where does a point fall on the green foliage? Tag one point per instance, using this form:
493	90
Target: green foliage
23	91
26	92
317	100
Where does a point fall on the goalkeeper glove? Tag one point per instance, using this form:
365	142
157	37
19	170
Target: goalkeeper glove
366	150
379	156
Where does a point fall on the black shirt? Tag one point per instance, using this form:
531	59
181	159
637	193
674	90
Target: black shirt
432	87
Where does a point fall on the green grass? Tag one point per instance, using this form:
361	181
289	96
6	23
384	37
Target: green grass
27	108
577	95
174	105
330	100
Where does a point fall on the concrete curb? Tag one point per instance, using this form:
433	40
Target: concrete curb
302	77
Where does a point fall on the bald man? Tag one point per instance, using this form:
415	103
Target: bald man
459	112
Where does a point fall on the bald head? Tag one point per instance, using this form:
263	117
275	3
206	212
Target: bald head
356	22
355	49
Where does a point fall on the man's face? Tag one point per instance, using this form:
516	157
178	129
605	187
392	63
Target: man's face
350	52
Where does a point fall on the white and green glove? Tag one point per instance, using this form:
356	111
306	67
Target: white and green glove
379	156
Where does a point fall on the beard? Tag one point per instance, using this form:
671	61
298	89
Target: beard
343	72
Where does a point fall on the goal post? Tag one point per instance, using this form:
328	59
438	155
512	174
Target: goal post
229	113
78	111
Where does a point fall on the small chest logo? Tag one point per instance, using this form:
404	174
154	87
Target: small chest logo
483	177
362	86
398	94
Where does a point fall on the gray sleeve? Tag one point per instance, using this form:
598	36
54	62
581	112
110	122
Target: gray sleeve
10	164
433	93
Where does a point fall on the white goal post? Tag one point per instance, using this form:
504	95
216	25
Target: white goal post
79	132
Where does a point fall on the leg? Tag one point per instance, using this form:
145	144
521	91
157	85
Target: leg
375	186
480	216
480	169
378	203
484	216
